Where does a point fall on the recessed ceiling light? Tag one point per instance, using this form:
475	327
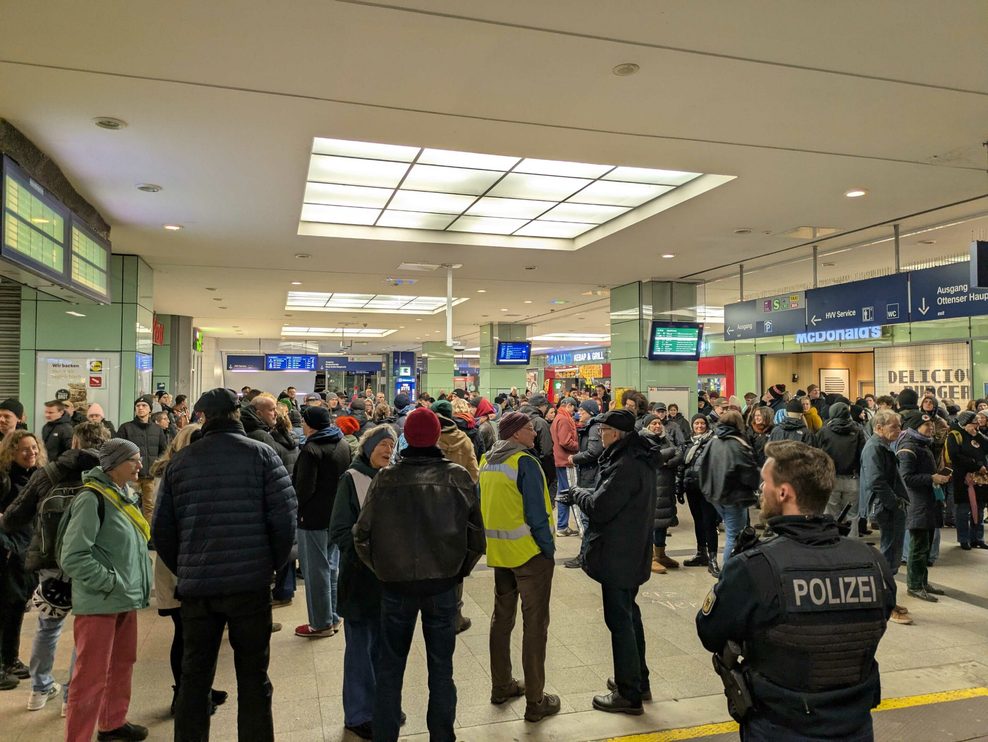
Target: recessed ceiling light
528	301
302	255
110	122
504	309
418	319
401	327
296	283
172	227
557	301
149	187
75	314
481	291
625	69
668	255
856	193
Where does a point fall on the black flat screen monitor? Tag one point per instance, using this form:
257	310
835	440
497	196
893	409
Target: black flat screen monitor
513	353
675	341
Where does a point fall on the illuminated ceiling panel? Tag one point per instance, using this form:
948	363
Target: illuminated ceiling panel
313	301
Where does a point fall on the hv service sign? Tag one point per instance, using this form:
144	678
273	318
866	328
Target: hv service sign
941	293
784	314
874	301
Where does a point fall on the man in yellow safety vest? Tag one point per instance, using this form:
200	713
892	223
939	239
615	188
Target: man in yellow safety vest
517	511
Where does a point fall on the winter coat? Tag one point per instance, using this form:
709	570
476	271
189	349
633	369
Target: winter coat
400	417
620	509
226	515
728	472
149	438
682	423
543	443
668	457
468	425
564	439
813	420
966	454
107	561
256	429
842	440
488	434
880	484
591	447
457	447
286	446
757	442
917	467
358	591
420	529
17	582
792	429
321	463
23	510
57	436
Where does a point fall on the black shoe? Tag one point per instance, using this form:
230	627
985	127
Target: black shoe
8	682
18	670
402	719
574	563
463	624
979	545
516	691
714	568
218	697
923	595
934	590
615	703
700	559
174	699
966	547
548	706
364	731
646	692
128	732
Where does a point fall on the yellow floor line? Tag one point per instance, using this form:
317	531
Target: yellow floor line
728	727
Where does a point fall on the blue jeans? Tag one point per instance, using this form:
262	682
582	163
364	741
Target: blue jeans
968	532
359	682
757	728
284	582
562	510
399	612
893	525
321	571
43	656
735	518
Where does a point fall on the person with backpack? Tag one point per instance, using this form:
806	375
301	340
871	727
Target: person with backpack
42	502
704	515
20	456
102	547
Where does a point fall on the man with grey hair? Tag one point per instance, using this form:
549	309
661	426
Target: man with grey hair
883	493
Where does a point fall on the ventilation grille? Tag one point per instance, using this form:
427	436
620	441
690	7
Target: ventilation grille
10	339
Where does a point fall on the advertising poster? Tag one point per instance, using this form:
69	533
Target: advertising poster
81	378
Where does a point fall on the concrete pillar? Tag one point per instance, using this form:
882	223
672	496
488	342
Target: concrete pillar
494	378
437	368
173	358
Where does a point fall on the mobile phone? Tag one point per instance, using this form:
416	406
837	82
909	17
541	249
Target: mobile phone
946	471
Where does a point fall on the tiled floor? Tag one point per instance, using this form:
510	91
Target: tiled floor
947	648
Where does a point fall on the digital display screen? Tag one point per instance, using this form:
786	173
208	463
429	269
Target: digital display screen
675	341
245	363
290	363
513	353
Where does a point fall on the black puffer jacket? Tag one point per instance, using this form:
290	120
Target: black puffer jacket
420	529
966	454
683	424
842	440
620	508
321	463
22	511
148	437
591	447
729	474
917	467
668	457
57	436
757	441
792	429
226	513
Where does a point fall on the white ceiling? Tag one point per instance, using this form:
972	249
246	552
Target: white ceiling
801	101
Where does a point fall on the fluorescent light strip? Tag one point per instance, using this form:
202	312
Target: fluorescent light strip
313	301
359	332
571	336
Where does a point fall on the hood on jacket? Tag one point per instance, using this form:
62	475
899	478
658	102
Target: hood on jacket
793	423
813	530
531	411
75	461
251	420
331	434
723	431
503	450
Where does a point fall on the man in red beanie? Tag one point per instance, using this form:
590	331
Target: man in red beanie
421	532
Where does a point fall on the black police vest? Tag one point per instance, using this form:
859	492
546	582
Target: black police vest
832	615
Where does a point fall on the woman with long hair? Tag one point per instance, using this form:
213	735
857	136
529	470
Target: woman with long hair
165	581
20	456
759	428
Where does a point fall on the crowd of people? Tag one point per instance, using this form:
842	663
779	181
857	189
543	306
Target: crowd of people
384	508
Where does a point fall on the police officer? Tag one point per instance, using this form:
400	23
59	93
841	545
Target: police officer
807	609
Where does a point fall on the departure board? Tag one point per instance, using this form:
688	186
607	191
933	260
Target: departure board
675	341
34	226
513	353
290	363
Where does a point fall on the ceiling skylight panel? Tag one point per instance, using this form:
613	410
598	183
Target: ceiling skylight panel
466	159
516	208
345	195
337	303
362	297
349	171
338	214
415	220
592	213
564	230
368	150
441	203
560	167
307	302
648	175
309	295
449	179
486	225
388	302
538	187
619	194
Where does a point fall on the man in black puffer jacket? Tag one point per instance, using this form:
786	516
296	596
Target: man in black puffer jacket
224	524
842	440
793	427
152	442
536	408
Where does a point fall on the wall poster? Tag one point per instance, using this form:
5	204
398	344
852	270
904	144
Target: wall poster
82	378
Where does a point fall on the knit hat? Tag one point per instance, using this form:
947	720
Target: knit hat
443	408
511	424
13	405
591	406
857	413
401	401
217	402
699	416
839	410
914	419
146	399
794	407
646	421
619	420
317	418
777	391
374	436
422	428
483	407
569	402
908	399
349	425
965	418
116	451
538	400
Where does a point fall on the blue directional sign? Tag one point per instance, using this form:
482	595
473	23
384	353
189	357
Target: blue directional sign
941	293
773	316
874	301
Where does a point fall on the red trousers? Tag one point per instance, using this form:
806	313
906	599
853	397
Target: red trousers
106	650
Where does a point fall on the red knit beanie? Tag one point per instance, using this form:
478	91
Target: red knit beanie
349	425
422	428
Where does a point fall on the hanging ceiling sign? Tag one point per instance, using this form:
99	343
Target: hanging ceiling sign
874	301
784	314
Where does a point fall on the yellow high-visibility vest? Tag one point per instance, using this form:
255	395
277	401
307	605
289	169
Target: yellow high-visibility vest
509	539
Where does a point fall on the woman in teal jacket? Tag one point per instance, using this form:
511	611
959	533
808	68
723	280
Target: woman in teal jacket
103	549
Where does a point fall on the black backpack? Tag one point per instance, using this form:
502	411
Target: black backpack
50	515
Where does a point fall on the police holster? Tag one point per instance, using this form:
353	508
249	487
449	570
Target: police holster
739	699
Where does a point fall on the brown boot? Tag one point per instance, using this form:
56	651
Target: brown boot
657	566
665	561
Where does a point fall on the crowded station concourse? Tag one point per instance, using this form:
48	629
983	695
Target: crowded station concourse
555	371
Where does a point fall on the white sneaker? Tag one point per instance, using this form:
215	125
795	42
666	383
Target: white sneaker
39	698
